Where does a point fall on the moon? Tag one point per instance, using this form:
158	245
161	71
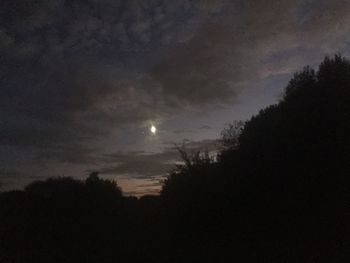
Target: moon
153	129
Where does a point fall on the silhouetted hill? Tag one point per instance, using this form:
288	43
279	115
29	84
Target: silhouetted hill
279	191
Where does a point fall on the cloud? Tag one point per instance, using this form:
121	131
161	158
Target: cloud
195	74
232	48
73	73
205	127
141	164
150	164
69	68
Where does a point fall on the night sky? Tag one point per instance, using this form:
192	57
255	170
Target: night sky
83	81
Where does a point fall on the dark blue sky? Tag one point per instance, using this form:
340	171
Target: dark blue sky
81	82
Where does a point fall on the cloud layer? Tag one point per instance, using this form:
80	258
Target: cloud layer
75	73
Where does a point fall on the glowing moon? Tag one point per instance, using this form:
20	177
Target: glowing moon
153	129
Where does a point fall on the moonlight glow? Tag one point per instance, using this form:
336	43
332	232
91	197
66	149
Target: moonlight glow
153	129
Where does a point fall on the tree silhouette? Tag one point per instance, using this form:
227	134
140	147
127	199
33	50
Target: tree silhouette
288	164
102	188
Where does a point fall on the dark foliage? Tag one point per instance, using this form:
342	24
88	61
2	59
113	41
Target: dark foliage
279	191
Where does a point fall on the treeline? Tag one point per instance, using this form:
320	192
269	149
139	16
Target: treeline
279	191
